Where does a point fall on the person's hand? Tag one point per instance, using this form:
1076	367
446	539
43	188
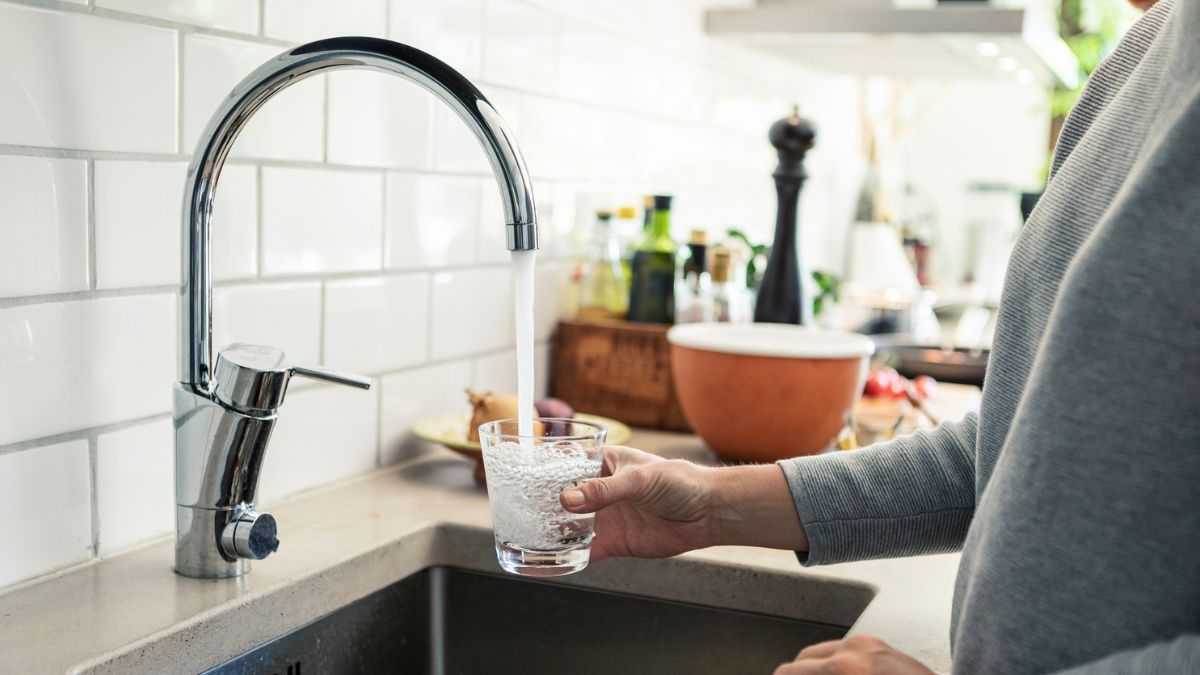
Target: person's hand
647	507
857	655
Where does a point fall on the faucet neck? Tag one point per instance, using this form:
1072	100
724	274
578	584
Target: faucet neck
516	189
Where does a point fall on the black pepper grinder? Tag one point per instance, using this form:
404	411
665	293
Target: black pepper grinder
781	295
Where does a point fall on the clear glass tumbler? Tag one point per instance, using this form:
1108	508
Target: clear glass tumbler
535	536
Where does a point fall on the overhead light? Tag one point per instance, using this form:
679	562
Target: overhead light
1024	76
987	49
1008	64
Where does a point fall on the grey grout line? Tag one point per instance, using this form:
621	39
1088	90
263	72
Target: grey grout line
383	226
259	254
146	20
321	322
89	224
22	301
709	62
78	434
91	434
179	133
326	83
262	18
93	468
97	294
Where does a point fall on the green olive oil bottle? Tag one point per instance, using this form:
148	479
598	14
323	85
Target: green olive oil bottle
652	289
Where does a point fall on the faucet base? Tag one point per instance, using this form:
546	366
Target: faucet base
198	544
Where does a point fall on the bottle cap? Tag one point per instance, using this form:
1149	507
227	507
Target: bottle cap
721	262
648	202
603	214
626	212
699	238
662	202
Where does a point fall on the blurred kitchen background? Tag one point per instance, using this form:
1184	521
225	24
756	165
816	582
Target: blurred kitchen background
358	225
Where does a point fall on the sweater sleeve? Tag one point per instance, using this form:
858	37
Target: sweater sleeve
1181	655
911	496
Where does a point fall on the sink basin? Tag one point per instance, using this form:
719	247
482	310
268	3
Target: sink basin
451	620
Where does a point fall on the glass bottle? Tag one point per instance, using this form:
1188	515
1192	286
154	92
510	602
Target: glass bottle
731	299
693	288
652	292
604	291
629	232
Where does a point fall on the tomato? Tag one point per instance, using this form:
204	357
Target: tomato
883	382
925	385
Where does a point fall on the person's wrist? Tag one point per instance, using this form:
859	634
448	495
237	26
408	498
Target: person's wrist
726	520
752	506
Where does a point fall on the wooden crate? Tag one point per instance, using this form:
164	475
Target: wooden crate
619	370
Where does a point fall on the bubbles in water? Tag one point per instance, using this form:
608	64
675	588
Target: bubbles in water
523	486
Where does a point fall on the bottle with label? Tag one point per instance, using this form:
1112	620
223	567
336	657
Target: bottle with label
604	291
629	233
693	288
731	299
652	292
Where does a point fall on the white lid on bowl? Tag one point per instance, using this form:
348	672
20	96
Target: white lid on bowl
769	339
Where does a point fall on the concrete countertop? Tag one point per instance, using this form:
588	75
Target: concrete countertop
131	613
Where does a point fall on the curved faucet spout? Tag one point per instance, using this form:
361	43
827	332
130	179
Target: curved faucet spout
276	75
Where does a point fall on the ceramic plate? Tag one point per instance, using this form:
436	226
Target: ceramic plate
451	431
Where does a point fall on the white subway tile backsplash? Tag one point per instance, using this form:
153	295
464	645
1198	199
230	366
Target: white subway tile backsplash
495	372
323	434
431	220
234	224
60	363
135	485
306	20
360	172
520	46
493	246
410	396
138	206
43	225
235	15
378	324
289	126
451	30
472	312
78	81
286	316
45	510
319	220
498	372
549	284
376	119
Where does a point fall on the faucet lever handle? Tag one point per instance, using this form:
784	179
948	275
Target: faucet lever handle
254	378
334	376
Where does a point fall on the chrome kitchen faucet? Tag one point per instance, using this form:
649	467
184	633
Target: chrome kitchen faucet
224	413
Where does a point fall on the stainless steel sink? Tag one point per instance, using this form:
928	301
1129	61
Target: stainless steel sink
445	620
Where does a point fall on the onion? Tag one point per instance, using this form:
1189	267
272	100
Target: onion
488	407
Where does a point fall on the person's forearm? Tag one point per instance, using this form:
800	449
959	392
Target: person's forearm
752	506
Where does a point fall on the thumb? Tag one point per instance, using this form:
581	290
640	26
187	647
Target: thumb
599	493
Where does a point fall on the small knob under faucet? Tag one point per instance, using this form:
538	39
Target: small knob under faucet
250	535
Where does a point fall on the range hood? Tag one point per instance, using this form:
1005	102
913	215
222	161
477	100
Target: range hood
951	38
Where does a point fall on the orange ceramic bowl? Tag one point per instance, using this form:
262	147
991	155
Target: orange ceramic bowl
762	392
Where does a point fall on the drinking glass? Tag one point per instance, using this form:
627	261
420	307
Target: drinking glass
535	536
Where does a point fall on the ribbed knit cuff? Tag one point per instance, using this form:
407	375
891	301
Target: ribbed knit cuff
912	496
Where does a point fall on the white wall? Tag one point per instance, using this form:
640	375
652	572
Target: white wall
357	224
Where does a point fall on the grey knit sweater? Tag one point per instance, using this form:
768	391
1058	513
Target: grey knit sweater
1075	493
